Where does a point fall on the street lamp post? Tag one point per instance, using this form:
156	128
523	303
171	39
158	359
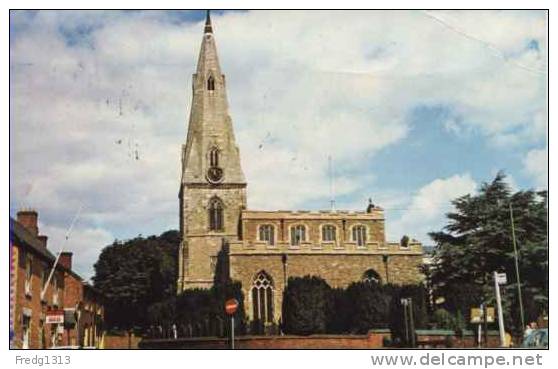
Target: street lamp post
411	322
404	303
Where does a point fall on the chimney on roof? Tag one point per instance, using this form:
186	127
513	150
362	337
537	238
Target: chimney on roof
28	219
43	240
66	259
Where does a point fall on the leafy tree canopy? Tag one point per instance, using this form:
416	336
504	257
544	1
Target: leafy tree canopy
477	241
134	274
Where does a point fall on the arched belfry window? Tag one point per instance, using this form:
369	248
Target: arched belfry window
214	157
371	276
262	297
211	83
215	214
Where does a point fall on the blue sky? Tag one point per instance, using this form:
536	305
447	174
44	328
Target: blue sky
415	108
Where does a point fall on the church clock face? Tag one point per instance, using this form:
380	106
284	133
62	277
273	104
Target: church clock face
215	175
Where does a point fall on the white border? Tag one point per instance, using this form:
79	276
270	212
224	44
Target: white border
253	359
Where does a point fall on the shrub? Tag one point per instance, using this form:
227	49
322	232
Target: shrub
307	304
369	306
199	312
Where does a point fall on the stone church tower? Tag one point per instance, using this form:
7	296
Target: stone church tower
213	189
264	249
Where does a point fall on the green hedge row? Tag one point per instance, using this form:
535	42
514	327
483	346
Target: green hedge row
311	306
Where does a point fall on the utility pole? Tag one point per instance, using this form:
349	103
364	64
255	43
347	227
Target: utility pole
518	280
485	318
479	336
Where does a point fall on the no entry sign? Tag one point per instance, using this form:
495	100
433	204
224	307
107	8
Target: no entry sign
230	306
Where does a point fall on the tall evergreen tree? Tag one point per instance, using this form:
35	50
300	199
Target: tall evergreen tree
478	241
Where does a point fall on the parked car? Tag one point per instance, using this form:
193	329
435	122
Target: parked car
537	339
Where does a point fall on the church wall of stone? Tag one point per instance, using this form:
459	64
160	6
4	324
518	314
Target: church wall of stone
196	206
314	223
338	270
339	262
200	245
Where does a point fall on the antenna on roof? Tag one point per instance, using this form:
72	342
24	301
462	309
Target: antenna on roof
331	183
60	253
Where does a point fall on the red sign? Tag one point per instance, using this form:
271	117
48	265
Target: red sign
55	317
230	306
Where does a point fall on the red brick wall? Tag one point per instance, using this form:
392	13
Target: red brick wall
373	340
32	302
121	341
73	292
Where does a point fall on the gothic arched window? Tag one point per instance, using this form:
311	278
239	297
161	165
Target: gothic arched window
298	234
329	233
371	276
215	214
210	83
214	157
359	235
262	297
267	233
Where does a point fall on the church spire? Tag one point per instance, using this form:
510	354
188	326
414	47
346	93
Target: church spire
208	61
210	128
208	28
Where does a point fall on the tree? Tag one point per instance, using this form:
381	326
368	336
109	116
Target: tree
443	319
370	306
307	305
339	317
134	274
478	241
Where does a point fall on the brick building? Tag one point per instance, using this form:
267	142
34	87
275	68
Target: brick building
66	294
265	248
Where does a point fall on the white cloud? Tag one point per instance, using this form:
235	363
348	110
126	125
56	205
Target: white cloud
427	208
85	243
303	85
536	165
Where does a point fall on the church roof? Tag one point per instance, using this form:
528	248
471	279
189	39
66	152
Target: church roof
378	213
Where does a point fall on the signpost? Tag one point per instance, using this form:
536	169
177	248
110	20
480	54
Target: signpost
54	316
231	305
482	315
477	315
500	278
